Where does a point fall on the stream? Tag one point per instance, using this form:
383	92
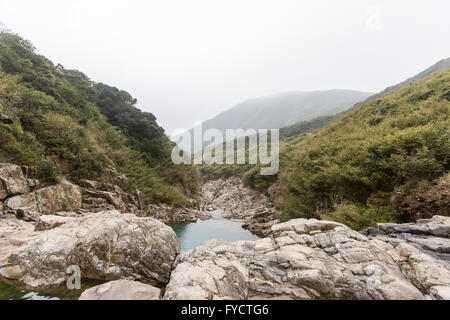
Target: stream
192	235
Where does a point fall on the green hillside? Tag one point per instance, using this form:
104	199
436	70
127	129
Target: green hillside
283	109
63	124
385	161
358	169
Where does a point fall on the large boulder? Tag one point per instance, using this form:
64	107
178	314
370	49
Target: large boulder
427	273
438	226
60	197
105	246
12	180
122	290
64	196
303	259
13	234
25	205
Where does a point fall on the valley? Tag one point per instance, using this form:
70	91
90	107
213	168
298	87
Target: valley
358	210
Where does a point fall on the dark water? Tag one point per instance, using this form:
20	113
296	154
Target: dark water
193	234
10	291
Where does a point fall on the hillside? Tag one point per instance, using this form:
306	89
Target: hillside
276	111
364	167
61	124
438	66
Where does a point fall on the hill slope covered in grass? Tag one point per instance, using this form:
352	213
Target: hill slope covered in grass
360	168
385	161
64	124
279	110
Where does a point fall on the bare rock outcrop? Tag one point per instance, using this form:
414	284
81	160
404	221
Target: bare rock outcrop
49	222
169	214
60	197
105	246
122	290
12	180
307	259
239	203
13	234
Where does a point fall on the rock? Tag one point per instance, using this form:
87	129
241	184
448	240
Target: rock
239	203
436	226
140	201
48	222
122	290
169	214
13	234
61	197
105	246
25	206
427	273
92	184
214	270
12	180
435	244
113	198
33	183
303	259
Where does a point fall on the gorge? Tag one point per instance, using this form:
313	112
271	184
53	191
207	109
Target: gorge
298	259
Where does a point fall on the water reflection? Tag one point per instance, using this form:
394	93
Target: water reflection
193	234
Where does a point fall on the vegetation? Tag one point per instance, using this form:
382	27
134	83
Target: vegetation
67	125
279	110
364	167
350	170
305	127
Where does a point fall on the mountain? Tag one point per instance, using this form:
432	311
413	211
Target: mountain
387	160
438	66
309	125
61	124
279	110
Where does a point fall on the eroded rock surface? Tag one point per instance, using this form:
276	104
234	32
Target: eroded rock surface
60	197
308	259
106	246
239	203
52	221
12	180
122	290
169	214
13	234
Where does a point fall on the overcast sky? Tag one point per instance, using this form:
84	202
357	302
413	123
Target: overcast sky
188	60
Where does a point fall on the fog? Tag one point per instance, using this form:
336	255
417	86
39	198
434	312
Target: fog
187	60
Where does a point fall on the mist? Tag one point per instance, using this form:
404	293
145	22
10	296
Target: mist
187	61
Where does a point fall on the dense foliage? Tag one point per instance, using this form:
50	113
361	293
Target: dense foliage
366	166
352	170
67	125
304	127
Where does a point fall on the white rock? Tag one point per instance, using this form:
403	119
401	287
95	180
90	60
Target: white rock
105	246
122	290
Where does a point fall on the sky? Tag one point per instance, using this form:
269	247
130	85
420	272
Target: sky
188	60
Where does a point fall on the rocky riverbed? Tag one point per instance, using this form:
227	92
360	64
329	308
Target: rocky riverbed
135	255
239	203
